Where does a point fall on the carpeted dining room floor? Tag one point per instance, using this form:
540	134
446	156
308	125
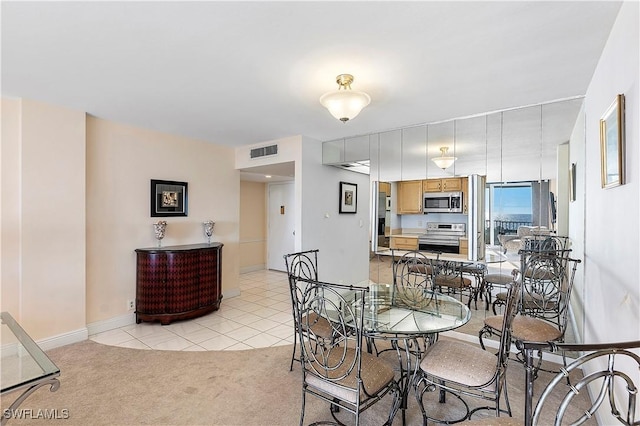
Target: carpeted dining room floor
111	384
108	385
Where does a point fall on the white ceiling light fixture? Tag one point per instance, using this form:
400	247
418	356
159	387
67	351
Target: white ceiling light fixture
344	103
444	161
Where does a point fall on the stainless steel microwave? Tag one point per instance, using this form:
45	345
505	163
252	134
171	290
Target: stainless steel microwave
442	202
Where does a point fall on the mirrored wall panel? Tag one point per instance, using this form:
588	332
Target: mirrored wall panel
473	189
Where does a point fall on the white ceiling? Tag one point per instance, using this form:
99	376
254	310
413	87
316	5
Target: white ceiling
237	73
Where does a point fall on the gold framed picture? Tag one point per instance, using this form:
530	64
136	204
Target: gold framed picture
612	144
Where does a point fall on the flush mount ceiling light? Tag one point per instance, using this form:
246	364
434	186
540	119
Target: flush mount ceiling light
344	103
444	161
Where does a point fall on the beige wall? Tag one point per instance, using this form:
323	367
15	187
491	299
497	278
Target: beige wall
253	226
121	161
75	206
43	217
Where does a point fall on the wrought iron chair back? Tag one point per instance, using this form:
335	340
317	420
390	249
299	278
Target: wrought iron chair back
610	370
547	243
333	366
301	265
411	278
441	369
547	284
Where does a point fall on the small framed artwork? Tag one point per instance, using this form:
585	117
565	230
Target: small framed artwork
168	198
612	144
348	197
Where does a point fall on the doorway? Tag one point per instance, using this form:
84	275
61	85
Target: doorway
280	224
511	205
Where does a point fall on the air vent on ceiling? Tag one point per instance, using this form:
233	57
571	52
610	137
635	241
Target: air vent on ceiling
264	151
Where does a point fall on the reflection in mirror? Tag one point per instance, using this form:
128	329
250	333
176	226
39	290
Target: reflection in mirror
383	222
520	154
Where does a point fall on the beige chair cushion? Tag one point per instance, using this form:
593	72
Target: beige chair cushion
452	281
527	328
494	321
498	279
376	374
534	330
319	326
460	362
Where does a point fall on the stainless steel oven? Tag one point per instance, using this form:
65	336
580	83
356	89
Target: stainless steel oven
442	202
442	237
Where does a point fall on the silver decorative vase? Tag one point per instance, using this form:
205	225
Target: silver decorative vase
208	229
159	228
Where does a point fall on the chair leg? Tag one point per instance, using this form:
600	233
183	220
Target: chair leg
395	405
419	394
487	301
293	355
495	304
302	411
506	397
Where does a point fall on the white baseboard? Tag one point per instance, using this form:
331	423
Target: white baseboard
130	319
230	292
75	336
111	323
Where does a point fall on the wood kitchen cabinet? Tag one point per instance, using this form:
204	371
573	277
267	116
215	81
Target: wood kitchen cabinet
403	243
178	282
465	195
410	197
464	246
385	187
442	185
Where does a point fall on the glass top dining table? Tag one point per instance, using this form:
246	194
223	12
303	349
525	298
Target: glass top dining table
411	312
25	366
404	318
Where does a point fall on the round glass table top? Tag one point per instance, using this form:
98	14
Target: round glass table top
413	311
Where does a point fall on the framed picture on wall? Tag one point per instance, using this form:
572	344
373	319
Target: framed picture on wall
612	144
168	198
348	197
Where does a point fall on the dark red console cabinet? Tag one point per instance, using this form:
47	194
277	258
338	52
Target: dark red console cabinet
178	282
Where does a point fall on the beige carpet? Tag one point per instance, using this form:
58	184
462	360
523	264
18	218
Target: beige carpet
106	385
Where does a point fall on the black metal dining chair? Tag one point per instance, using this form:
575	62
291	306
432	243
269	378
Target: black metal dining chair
303	265
464	370
411	278
610	371
335	368
547	283
448	275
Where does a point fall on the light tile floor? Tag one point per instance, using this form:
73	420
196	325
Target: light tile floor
259	317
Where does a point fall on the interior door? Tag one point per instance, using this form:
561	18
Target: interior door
281	224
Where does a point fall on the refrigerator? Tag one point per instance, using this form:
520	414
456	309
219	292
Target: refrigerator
476	223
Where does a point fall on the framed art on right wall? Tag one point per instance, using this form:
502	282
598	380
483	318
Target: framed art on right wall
612	144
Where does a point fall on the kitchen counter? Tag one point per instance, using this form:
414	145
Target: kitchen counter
429	254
